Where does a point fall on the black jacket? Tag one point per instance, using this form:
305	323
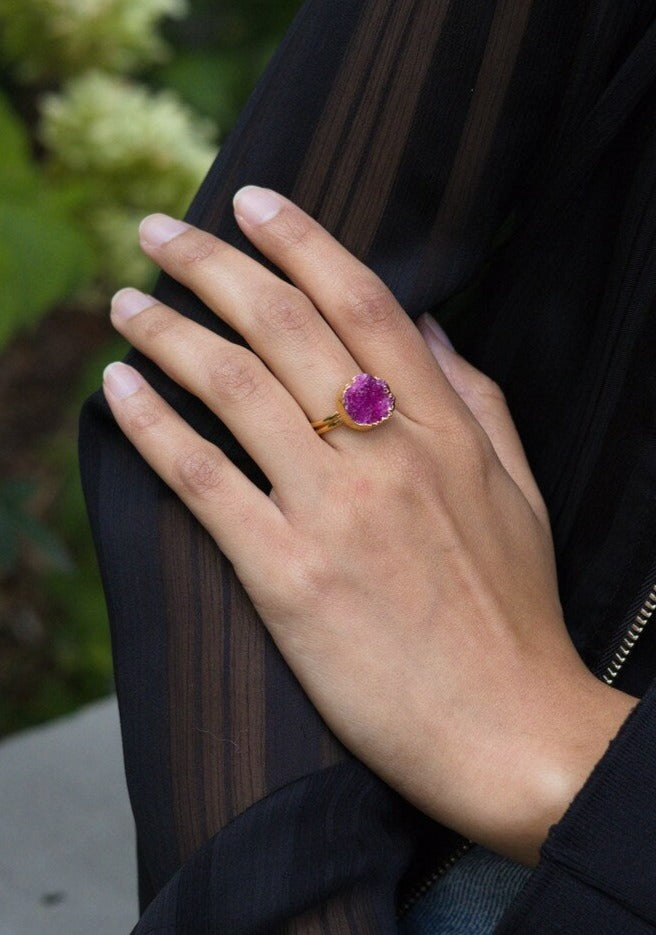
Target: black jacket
495	162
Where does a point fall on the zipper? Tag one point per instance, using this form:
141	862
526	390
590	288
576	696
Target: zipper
631	637
418	891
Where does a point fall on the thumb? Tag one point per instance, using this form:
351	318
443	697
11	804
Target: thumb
486	402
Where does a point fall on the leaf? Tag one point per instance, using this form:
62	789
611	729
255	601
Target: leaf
49	546
43	259
15	492
17	171
210	83
19	527
43	255
8	543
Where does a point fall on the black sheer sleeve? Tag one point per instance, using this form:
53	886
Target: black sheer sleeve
417	131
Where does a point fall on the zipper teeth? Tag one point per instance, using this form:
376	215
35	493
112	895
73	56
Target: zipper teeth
631	637
428	881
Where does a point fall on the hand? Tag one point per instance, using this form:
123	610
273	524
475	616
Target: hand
406	573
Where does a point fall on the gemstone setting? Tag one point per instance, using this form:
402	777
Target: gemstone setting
365	402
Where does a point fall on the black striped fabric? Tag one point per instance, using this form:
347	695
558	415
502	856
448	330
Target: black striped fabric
494	161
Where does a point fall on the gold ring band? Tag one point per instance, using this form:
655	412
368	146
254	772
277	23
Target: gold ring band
363	404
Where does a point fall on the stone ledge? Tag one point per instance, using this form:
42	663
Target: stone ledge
67	863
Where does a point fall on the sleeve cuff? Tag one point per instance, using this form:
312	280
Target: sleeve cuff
597	870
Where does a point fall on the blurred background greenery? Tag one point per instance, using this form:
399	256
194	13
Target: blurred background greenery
109	109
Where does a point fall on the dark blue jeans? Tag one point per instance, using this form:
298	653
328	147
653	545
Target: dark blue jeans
470	899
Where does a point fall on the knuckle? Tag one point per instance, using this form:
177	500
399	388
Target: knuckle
474	453
289	311
142	415
198	472
157	324
485	398
485	388
293	229
195	246
235	378
368	303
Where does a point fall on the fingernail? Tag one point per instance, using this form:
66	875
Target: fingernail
129	302
428	326
256	205
122	381
158	229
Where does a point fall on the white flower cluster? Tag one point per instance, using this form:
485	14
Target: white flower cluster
46	39
136	150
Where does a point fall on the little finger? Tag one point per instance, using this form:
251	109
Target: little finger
488	406
232	509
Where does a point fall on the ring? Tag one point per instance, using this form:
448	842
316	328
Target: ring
364	403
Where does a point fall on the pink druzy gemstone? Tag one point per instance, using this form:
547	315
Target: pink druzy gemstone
368	400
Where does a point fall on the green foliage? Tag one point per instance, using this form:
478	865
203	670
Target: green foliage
44	257
221	50
46	671
53	39
19	528
211	84
138	151
97	136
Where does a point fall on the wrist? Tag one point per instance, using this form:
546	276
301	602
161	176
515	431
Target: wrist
502	766
571	737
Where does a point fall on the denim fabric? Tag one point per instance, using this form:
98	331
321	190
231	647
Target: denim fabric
468	900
